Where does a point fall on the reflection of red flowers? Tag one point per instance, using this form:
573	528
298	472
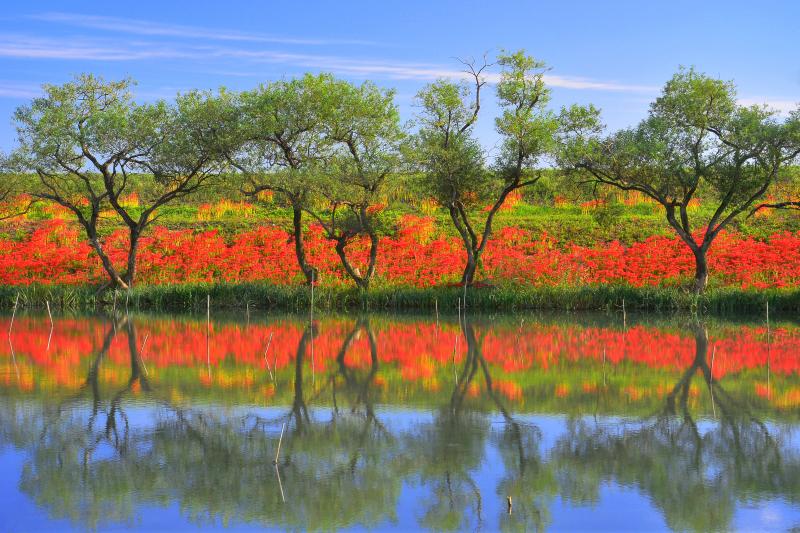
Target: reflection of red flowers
412	354
509	389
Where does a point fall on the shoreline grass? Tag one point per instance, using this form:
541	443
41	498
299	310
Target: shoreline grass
192	297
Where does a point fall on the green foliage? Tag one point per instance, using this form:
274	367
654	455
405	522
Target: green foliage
277	138
695	141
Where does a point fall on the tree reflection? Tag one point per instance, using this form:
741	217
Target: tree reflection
99	457
694	472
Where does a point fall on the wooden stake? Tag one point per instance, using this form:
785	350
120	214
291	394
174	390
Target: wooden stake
711	382
13	314
311	325
280	440
624	316
455	349
280	485
49	313
769	356
604	366
141	355
271	375
208	333
13	356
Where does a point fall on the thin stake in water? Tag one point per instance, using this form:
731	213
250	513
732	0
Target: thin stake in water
769	356
13	357
280	440
49	337
208	334
13	314
141	355
271	375
455	349
711	382
624	316
311	324
604	367
280	485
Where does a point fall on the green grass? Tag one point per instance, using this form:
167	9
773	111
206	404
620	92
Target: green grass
192	297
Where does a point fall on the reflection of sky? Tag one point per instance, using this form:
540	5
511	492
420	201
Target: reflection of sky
618	507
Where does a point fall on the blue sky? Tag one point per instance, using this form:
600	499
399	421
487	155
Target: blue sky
614	54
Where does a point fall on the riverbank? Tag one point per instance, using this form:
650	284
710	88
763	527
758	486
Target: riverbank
192	297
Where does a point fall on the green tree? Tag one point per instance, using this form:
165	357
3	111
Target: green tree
696	143
281	145
363	129
10	188
175	150
789	180
84	139
59	133
452	161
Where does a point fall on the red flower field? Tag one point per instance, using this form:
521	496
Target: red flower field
415	255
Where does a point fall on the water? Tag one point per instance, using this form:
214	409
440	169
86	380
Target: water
399	422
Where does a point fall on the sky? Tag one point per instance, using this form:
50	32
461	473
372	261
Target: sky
615	54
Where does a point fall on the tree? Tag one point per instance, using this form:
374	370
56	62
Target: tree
10	188
791	176
363	129
58	133
175	150
452	161
281	146
84	139
696	143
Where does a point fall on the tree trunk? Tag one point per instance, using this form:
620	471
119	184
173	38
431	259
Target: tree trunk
468	277
373	255
299	246
701	270
115	279
130	275
362	282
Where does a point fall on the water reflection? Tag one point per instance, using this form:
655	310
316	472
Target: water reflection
395	423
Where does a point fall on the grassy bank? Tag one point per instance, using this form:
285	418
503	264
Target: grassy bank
189	297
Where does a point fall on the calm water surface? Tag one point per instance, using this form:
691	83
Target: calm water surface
397	422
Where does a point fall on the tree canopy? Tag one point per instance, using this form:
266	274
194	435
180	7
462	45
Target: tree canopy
696	144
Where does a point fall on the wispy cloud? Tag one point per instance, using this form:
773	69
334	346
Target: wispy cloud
415	71
146	27
11	89
21	46
782	106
